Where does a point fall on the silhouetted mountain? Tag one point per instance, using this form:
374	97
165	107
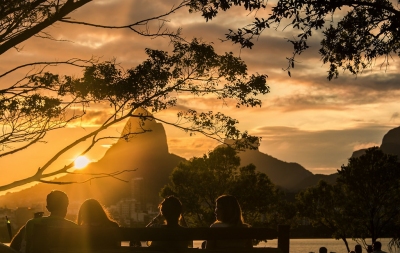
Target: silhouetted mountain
146	153
390	144
314	179
281	173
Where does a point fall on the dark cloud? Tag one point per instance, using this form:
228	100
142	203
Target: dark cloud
330	100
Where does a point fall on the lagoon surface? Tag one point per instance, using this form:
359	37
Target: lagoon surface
313	245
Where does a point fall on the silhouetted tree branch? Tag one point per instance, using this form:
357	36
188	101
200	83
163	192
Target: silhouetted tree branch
25	113
157	84
351	41
161	32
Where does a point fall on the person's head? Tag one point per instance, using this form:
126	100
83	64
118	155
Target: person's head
227	210
377	246
369	248
323	250
57	203
171	209
358	248
92	213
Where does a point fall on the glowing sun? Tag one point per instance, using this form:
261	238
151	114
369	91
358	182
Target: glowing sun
81	162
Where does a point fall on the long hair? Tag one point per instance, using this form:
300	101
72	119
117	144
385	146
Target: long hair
92	213
231	212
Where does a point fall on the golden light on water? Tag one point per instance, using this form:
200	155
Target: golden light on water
81	162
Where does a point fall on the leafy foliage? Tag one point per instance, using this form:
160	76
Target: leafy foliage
324	205
369	29
156	85
361	204
33	105
22	19
371	183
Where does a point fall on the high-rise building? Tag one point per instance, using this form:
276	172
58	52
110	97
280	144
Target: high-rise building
138	192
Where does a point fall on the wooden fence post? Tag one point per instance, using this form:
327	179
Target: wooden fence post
284	238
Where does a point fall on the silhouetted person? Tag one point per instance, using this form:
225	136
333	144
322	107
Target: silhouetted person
6	249
228	213
323	250
358	248
170	216
377	247
369	249
57	204
92	214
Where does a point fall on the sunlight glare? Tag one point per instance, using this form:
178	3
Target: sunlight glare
81	162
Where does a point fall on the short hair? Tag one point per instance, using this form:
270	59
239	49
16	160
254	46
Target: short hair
171	208
323	250
57	201
377	245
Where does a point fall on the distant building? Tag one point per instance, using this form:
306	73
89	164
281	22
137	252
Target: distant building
129	213
138	193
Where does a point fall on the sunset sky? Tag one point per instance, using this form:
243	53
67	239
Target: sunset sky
305	119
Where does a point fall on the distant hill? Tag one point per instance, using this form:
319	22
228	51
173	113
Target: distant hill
284	174
390	144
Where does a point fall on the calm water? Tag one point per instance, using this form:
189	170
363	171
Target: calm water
313	245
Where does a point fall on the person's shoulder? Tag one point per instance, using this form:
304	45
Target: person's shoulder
29	222
70	223
113	224
6	249
57	221
32	222
226	225
156	225
219	225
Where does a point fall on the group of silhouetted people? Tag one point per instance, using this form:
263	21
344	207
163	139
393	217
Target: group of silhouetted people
228	213
375	248
91	213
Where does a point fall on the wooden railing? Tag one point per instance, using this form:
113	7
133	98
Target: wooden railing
80	239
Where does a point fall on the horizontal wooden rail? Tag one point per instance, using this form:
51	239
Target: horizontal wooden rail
76	238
